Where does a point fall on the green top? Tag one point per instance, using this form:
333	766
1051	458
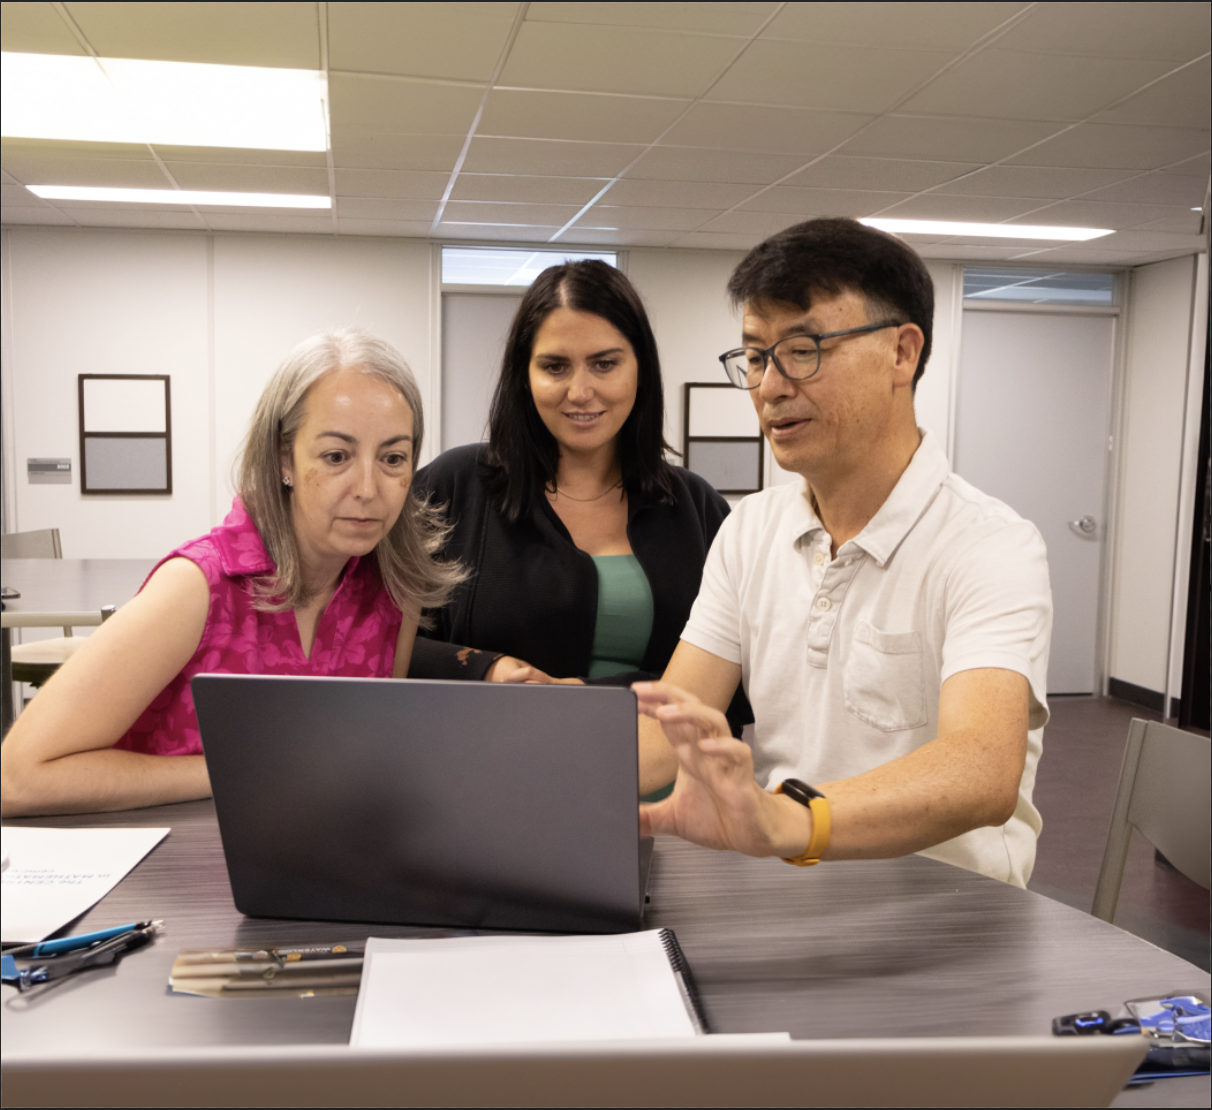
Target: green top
624	621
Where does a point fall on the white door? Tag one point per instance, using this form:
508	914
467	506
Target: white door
474	329
1032	428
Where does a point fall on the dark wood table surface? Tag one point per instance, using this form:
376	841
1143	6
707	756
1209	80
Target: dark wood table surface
907	947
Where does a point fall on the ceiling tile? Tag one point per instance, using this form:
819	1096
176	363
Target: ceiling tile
948	139
935	206
908	26
16	196
1006	84
1156	188
1180	100
375	208
526	233
623	237
720	19
962	253
654	63
1090	213
712	165
719	240
36	29
138	215
399	184
226	34
1172	32
526	190
770	130
1184	223
756	223
408	229
401	105
1119	145
842	171
245	179
241	156
549	157
843	78
41	217
1200	166
1079	254
270	221
823	202
644	219
70	168
528	114
1045	182
383	150
555	215
675	194
460	41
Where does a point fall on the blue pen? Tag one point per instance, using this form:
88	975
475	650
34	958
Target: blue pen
74	944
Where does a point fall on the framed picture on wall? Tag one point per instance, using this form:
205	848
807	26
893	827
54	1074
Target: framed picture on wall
721	439
126	440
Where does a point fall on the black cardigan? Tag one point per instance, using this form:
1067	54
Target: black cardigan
534	595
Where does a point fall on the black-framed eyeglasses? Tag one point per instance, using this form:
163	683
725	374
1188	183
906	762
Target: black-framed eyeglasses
797	357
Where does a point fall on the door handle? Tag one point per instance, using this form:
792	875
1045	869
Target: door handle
1086	527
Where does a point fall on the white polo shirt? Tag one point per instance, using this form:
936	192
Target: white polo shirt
843	658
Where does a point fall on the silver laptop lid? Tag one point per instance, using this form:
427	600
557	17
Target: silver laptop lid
468	804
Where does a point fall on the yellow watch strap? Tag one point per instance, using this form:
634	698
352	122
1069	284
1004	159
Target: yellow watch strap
818	843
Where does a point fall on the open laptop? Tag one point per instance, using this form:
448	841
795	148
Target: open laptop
466	804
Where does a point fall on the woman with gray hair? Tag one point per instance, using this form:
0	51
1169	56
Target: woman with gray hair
322	567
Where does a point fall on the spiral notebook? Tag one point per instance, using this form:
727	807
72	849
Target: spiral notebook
498	990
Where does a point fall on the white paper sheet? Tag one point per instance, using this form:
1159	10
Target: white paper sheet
465	991
51	876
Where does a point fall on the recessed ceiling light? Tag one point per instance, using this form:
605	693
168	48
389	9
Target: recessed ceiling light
179	196
125	100
985	231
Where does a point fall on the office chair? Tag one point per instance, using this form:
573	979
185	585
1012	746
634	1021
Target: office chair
1165	793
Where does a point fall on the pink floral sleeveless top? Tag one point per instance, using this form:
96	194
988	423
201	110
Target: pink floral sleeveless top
356	635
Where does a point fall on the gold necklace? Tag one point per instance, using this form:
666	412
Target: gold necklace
555	492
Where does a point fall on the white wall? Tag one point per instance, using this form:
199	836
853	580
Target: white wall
108	302
1151	439
685	294
217	313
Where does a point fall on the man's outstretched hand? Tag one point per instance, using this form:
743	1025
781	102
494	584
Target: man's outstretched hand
716	801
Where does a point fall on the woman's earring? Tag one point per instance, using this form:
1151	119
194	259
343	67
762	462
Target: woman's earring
285	480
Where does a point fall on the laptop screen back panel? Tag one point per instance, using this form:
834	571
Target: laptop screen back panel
476	805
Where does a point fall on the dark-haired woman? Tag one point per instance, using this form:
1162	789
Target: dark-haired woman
586	547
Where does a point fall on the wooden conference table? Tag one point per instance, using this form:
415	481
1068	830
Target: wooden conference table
74	588
888	948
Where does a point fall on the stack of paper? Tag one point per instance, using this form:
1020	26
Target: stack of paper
52	876
496	990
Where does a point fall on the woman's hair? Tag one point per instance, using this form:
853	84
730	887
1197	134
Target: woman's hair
406	556
522	454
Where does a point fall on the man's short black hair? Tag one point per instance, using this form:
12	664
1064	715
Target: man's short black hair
833	256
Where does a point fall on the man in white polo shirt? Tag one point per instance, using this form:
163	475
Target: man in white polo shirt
889	622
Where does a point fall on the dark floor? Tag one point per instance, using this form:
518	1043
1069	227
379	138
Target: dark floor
1075	791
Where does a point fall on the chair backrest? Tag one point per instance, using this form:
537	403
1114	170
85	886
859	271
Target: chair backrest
1165	792
42	544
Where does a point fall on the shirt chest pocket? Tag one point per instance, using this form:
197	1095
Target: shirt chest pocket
883	682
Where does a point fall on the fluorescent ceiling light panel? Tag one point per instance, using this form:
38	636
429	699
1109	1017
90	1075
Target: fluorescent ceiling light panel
124	100
985	231
178	196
